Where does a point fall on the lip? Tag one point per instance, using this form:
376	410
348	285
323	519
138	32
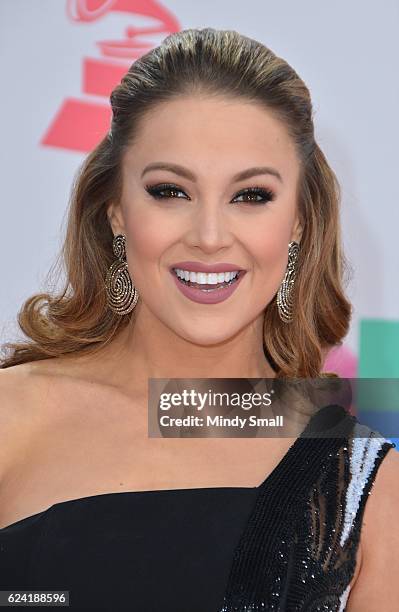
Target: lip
197	266
212	297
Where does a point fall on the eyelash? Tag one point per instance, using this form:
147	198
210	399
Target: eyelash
156	190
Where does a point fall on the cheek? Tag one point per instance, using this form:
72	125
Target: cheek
148	238
269	246
267	235
270	254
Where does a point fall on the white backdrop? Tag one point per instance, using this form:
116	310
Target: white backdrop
346	52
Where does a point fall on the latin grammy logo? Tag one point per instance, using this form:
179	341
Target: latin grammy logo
91	118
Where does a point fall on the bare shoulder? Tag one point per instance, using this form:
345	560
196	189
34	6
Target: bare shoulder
37	395
22	390
20	387
31	395
377	580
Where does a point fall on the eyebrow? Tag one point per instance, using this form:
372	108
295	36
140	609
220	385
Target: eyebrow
180	170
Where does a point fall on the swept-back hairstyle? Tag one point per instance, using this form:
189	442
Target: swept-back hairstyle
205	62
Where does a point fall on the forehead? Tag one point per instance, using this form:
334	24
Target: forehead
204	131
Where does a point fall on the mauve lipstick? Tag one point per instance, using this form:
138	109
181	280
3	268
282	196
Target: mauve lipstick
207	296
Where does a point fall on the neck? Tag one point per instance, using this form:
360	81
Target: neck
148	349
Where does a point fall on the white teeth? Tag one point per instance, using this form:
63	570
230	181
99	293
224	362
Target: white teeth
202	278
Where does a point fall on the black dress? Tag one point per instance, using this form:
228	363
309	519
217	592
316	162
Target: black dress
288	545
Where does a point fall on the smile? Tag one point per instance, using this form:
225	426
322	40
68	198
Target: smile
207	288
206	282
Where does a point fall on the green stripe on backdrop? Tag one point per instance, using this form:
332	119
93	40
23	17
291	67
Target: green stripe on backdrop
379	358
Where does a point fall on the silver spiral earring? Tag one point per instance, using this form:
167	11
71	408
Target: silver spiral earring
284	294
122	295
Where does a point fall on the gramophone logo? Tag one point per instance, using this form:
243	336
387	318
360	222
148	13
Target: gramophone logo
81	123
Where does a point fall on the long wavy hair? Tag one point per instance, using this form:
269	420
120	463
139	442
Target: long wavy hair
76	318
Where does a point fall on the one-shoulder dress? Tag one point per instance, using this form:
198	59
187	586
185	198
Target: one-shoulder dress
288	545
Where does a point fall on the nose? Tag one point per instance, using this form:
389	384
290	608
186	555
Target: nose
209	228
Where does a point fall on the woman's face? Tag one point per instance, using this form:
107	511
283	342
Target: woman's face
202	215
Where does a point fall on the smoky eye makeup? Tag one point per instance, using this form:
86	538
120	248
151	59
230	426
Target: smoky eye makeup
252	195
159	190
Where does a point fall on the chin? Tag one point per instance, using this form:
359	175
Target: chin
207	337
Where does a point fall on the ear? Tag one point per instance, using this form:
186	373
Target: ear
296	231
115	218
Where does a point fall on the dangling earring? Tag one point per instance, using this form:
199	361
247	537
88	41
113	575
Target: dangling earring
284	294
122	295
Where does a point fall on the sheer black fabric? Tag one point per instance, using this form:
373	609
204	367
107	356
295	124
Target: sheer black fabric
298	551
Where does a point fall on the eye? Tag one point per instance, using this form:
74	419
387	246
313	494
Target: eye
157	191
257	195
265	195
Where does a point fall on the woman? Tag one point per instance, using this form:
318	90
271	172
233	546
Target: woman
211	166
